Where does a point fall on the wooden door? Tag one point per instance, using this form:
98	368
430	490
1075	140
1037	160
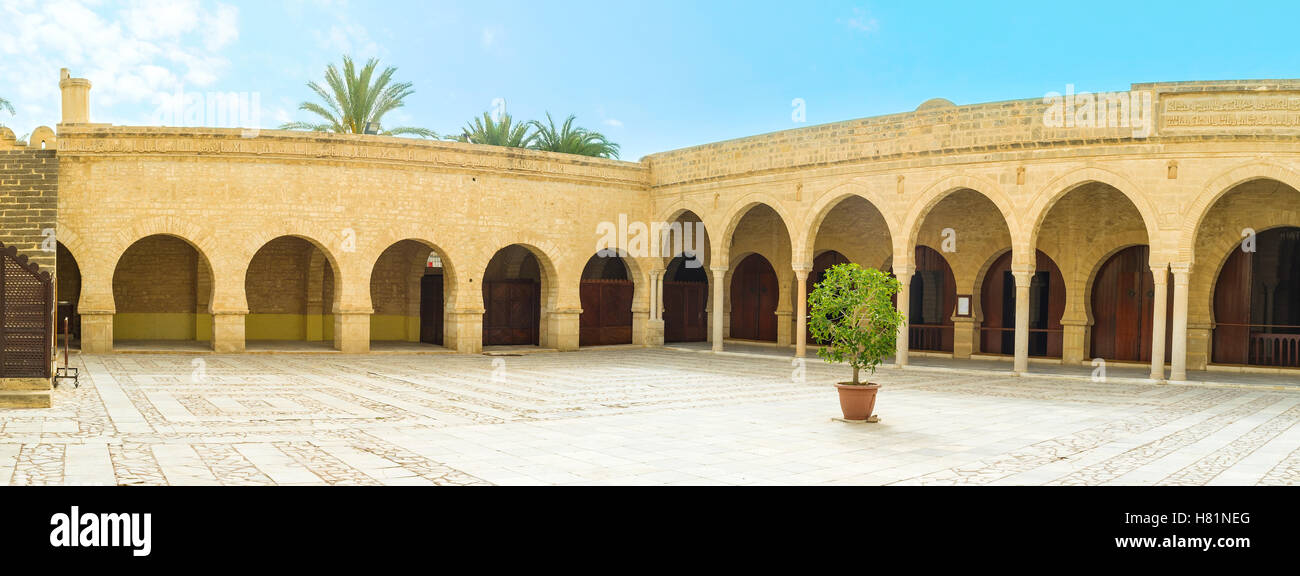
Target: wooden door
685	306
431	309
754	300
606	312
1232	310
513	312
1123	308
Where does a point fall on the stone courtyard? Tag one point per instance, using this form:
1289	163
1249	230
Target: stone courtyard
627	416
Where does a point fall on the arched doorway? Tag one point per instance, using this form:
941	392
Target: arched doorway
823	262
162	291
512	298
1046	306
606	293
932	301
290	290
407	291
686	298
1257	302
67	296
754	296
1123	307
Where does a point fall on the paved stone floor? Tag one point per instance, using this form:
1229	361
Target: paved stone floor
627	417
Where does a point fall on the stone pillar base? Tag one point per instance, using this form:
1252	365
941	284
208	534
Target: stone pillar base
963	337
228	332
562	329
352	332
654	333
97	332
784	328
464	331
1074	343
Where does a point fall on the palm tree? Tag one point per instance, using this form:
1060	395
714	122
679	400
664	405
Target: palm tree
5	105
501	132
355	99
570	140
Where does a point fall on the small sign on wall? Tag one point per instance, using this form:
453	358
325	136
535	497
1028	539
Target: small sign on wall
963	306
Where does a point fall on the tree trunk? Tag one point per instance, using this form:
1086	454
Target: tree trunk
855	375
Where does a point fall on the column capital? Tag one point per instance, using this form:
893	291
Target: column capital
1160	276
1181	269
904	273
718	270
802	273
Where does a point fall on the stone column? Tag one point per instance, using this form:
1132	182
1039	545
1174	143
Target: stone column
228	331
964	335
1074	340
719	276
654	331
1024	278
96	331
1158	322
352	331
563	329
1178	359
801	312
464	332
904	276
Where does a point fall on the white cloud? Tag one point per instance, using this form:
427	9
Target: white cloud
491	36
345	35
613	122
133	53
862	21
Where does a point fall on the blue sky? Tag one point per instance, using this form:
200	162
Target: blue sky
653	76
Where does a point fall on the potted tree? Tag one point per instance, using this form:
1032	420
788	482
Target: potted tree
852	310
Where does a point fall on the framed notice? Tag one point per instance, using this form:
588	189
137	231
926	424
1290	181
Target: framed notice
963	306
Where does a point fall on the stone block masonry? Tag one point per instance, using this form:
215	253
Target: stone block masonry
29	186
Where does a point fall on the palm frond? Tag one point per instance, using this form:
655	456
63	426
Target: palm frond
351	98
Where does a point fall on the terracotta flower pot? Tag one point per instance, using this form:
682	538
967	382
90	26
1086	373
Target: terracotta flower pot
857	402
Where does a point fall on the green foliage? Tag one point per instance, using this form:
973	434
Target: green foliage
5	105
852	311
570	140
355	98
502	132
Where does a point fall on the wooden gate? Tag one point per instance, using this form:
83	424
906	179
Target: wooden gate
431	309
684	311
1123	308
754	300
26	317
606	313
514	309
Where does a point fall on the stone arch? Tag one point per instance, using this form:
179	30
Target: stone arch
193	234
937	192
555	296
1222	250
158	292
1047	197
1219	187
737	212
405	321
828	201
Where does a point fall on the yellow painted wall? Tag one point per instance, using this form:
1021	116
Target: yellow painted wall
389	328
162	326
